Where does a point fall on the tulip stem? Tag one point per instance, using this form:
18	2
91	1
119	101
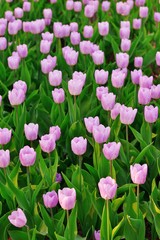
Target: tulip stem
107	209
68	222
135	95
138	200
80	172
16	116
109	118
151	131
29	238
127	142
50	165
111	165
28	182
75	116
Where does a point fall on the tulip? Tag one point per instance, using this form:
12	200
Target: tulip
75	87
107	187
89	11
143	12
16	97
18	12
31	131
98	57
79	145
158	58
22	50
108	101
155	91
3	43
100	91
67	198
124	32
58	177
75	38
146	82
56	131
58	95
135	76
105	6
103	28
47	143
50	199
79	75
125	44
69	5
144	96
97	235
137	23
138	61
26	7
127	115
138	173
111	150
27	156
115	111
74	27
117	78
4	158
150	114
90	122
20	85
18	218
77	6
101	133
45	46
122	60
157	17
5	136
88	31
101	76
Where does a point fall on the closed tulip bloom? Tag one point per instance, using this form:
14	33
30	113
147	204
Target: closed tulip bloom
16	97
47	143
75	87
144	96
26	6
8	15
50	199
74	27
5	136
103	28
75	38
13	62
58	177
101	76
37	26
45	46
48	64
89	11
55	78
79	75
85	47
117	78
127	115
123	8
146	82
125	24
3	43
100	91
18	218
18	12
79	145
56	131
71	57
138	61
138	173
107	187
2	29
98	57
4	158
150	114
139	3
90	122
13	27
122	60
158	58
69	5
155	91
47	13
97	235
125	44
27	156
108	101
137	23
111	150
20	85
26	26
105	6
58	95
115	111
135	76
88	31
47	36
101	133
143	12
77	6
31	131
67	198
157	16
124	32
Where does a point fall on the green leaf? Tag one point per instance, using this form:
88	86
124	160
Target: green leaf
117	228
142	153
71	229
25	75
134	228
2	72
71	185
18	235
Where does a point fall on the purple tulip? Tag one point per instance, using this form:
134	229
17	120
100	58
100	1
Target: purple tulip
138	173
58	95
97	235
47	143
98	57
108	101
56	131
101	133
27	156
20	85
50	199
58	177
16	97
111	150
115	111
107	187
127	115
18	218
100	91
4	158
135	76
103	28
31	131
67	198
150	114
79	145
138	61
122	60
5	136
88	31
144	96
101	76
90	122
47	36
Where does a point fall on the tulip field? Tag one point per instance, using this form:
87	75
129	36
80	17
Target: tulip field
79	120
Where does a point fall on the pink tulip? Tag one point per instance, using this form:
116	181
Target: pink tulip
146	82
127	115
107	187
101	133
98	57
58	95
18	218
20	85
16	97
138	173
56	131
144	96
31	131
88	31
75	87
137	23
4	158
138	61
143	12
75	38
22	50
103	28
79	145
27	156
135	76
122	60
55	78
47	143
100	91
150	114
108	101
67	198
158	58
50	199
115	111
90	122
5	136
111	150
101	76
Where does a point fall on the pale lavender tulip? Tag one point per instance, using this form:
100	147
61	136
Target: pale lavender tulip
117	78
13	62
157	17
101	76
74	27
105	6
135	76
16	97
115	111
67	198
150	114
97	235
146	82
158	58
48	64
4	158
107	187
5	136
123	8
26	7
111	150
108	101
125	44
20	85
137	23
47	13
155	91
85	47
101	133
55	78
56	131
47	143
3	43
75	87
79	145
50	199
122	60
103	28
58	95
90	122
31	131
27	156
89	11
47	36
139	3
45	46
144	96
77	7
75	38
127	115
88	31
18	218
79	75
138	61
98	57
143	12
18	12
69	5
0	100
100	91
138	173
124	32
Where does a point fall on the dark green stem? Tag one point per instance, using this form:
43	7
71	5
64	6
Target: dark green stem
75	109
80	172
28	234
28	182
127	142
107	209
111	166
138	200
